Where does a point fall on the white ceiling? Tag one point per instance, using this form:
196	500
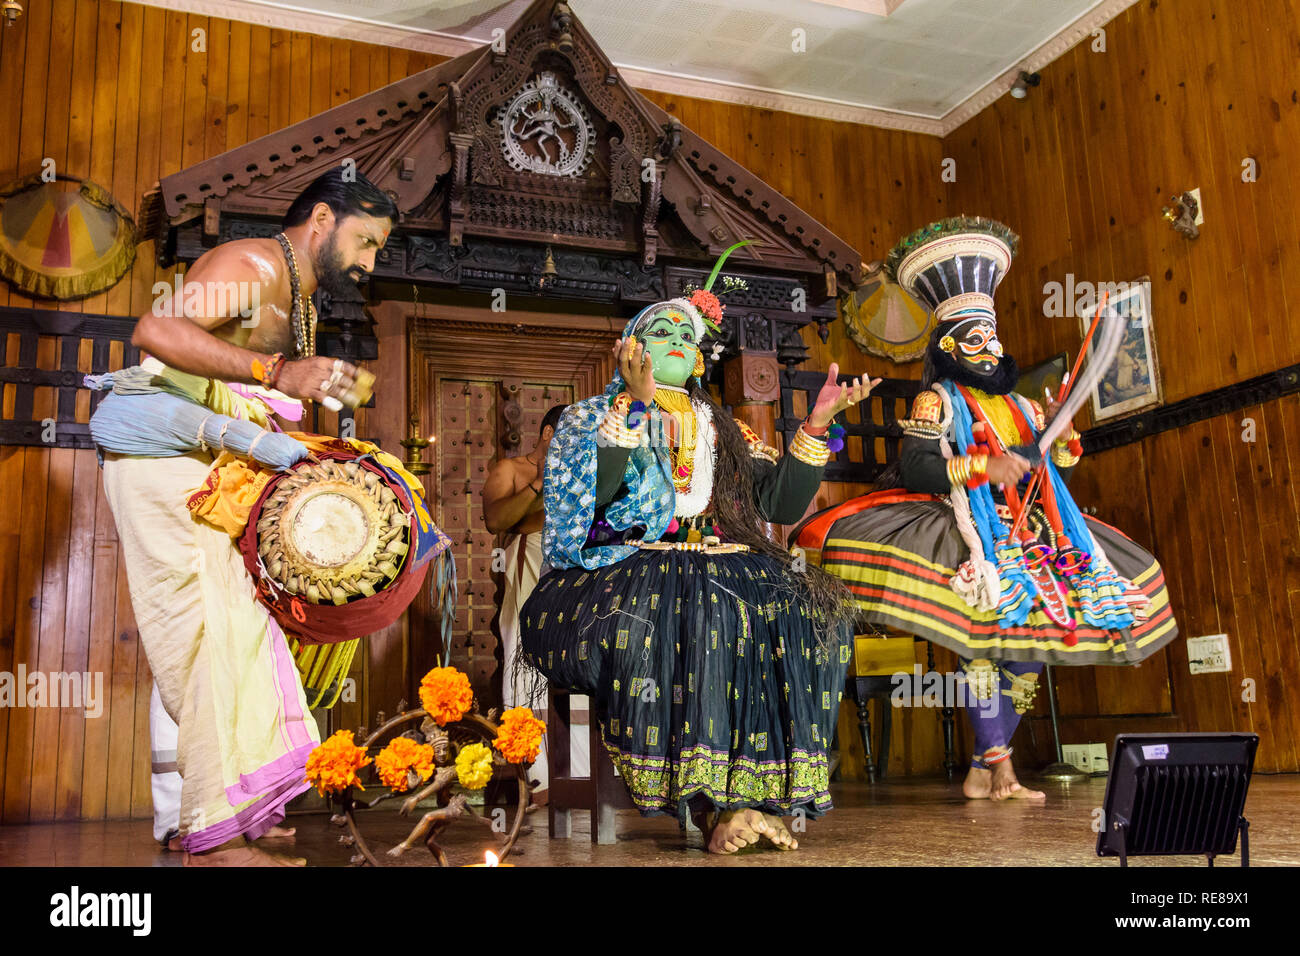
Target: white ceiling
927	65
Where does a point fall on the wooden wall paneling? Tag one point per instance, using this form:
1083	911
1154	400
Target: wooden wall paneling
27	623
95	94
76	641
148	146
300	77
48	656
340	60
377	60
103	640
1279	548
13	59
1211	597
281	82
124	142
259	82
358	69
217	63
122	702
12	474
319	67
398	64
1221	495
238	77
175	64
1247	472
67	99
194	118
141	773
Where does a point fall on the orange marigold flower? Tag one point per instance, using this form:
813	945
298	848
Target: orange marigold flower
332	767
401	756
520	736
445	693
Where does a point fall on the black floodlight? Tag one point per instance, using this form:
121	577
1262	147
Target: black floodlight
1177	794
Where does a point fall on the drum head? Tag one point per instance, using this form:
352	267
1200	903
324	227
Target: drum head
333	531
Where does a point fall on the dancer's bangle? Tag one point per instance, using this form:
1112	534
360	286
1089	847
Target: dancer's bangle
810	449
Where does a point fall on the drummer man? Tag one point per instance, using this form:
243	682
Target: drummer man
512	505
262	339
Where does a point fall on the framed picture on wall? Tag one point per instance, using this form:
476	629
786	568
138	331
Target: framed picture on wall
1132	383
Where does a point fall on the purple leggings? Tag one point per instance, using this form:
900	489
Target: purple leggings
994	720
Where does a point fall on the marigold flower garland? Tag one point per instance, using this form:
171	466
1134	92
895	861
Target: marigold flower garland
332	767
520	736
446	696
474	766
445	693
399	758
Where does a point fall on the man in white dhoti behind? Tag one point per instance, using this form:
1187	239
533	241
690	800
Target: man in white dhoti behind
512	505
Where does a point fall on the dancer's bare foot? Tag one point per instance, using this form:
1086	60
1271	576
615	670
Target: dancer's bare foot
780	837
737	829
978	784
280	833
240	853
1005	786
174	845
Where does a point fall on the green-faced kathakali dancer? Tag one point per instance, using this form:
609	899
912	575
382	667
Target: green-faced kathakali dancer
714	662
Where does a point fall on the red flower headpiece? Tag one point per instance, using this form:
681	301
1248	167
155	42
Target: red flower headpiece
709	307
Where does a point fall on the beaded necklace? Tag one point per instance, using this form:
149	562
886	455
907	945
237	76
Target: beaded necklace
304	338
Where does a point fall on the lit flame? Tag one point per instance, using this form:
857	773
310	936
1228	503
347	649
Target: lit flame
490	859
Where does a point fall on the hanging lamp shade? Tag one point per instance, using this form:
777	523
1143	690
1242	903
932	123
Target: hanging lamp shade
882	319
65	239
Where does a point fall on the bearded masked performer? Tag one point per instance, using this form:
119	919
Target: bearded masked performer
935	554
714	663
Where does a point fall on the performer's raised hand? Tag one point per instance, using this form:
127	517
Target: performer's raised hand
1007	469
1050	407
637	369
834	397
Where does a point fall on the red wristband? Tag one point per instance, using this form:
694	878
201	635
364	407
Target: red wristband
815	432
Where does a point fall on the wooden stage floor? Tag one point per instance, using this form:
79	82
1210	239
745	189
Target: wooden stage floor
912	822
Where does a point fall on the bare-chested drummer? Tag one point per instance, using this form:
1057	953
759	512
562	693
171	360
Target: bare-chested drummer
220	661
512	505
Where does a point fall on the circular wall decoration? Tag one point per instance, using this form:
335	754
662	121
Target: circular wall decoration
882	319
63	239
544	129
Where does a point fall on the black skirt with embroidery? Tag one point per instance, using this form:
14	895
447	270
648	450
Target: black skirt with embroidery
704	672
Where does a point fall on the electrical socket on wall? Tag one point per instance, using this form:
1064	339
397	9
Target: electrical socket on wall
1090	758
1209	654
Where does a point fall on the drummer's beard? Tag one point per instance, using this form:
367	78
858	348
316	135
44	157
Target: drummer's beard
332	275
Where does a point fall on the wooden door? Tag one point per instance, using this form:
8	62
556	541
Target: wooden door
485	386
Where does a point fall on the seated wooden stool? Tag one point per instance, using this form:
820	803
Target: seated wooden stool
601	793
876	659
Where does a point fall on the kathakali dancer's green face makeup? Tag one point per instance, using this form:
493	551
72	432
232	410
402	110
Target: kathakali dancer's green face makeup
669	337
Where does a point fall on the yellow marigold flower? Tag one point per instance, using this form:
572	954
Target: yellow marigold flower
332	767
520	736
445	693
401	756
474	766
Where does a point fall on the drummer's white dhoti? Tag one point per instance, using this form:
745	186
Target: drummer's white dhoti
221	663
